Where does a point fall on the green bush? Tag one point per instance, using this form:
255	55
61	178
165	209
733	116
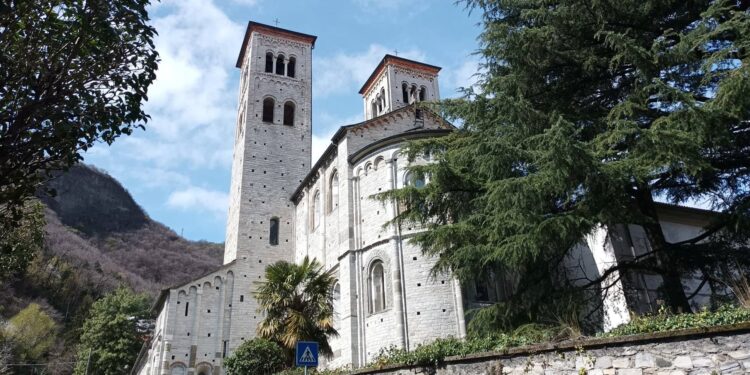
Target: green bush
434	353
664	321
314	371
257	356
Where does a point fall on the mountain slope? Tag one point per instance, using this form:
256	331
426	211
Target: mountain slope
96	239
144	253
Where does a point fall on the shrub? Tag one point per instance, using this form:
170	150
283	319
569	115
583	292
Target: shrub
257	356
314	371
665	321
434	353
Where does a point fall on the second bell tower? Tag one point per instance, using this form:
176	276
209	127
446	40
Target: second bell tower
272	143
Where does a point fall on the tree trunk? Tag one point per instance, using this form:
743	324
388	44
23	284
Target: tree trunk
674	292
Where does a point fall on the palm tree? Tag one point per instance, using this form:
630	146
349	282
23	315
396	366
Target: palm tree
297	300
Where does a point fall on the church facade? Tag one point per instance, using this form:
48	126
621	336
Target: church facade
285	206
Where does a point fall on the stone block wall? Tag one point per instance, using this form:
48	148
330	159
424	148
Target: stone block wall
720	350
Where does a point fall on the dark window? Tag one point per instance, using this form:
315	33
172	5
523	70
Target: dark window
405	92
418	114
377	287
414	180
280	64
289	113
481	292
268	110
333	190
187	304
242	298
269	62
422	93
273	237
224	349
290	67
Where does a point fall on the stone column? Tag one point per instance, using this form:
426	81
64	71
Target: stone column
398	302
460	315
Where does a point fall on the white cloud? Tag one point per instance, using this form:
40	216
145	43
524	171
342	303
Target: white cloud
199	199
319	145
406	8
462	76
327	124
348	72
192	102
246	2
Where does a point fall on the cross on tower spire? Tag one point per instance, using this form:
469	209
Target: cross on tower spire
395	52
276	21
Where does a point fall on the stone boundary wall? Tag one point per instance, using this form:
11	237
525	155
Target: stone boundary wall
718	350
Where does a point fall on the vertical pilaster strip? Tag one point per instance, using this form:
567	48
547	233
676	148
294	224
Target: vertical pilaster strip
398	302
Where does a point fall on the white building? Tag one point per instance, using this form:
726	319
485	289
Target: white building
283	207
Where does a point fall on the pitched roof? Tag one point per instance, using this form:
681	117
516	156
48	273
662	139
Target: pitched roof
399	61
271	30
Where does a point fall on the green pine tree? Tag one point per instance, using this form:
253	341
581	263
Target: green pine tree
588	113
110	340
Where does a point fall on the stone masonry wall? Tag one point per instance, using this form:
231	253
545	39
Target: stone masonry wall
722	350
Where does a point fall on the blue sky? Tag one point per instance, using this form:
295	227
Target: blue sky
178	169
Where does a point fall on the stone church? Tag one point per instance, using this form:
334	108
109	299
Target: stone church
285	206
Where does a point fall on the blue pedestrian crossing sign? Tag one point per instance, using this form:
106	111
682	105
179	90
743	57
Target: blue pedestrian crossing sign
306	354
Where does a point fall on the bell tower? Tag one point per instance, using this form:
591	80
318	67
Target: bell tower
272	143
397	82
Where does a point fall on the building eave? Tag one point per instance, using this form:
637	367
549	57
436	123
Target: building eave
397	138
332	149
397	61
271	30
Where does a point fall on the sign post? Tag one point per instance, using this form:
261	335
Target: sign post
306	354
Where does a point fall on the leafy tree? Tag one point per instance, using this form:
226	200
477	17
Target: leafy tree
74	72
257	356
21	241
589	113
110	339
31	332
297	300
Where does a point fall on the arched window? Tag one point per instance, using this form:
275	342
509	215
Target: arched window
377	287
422	93
412	179
269	62
405	92
273	235
280	64
290	66
289	113
178	369
413	94
333	189
268	105
481	293
336	291
374	109
382	99
316	210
